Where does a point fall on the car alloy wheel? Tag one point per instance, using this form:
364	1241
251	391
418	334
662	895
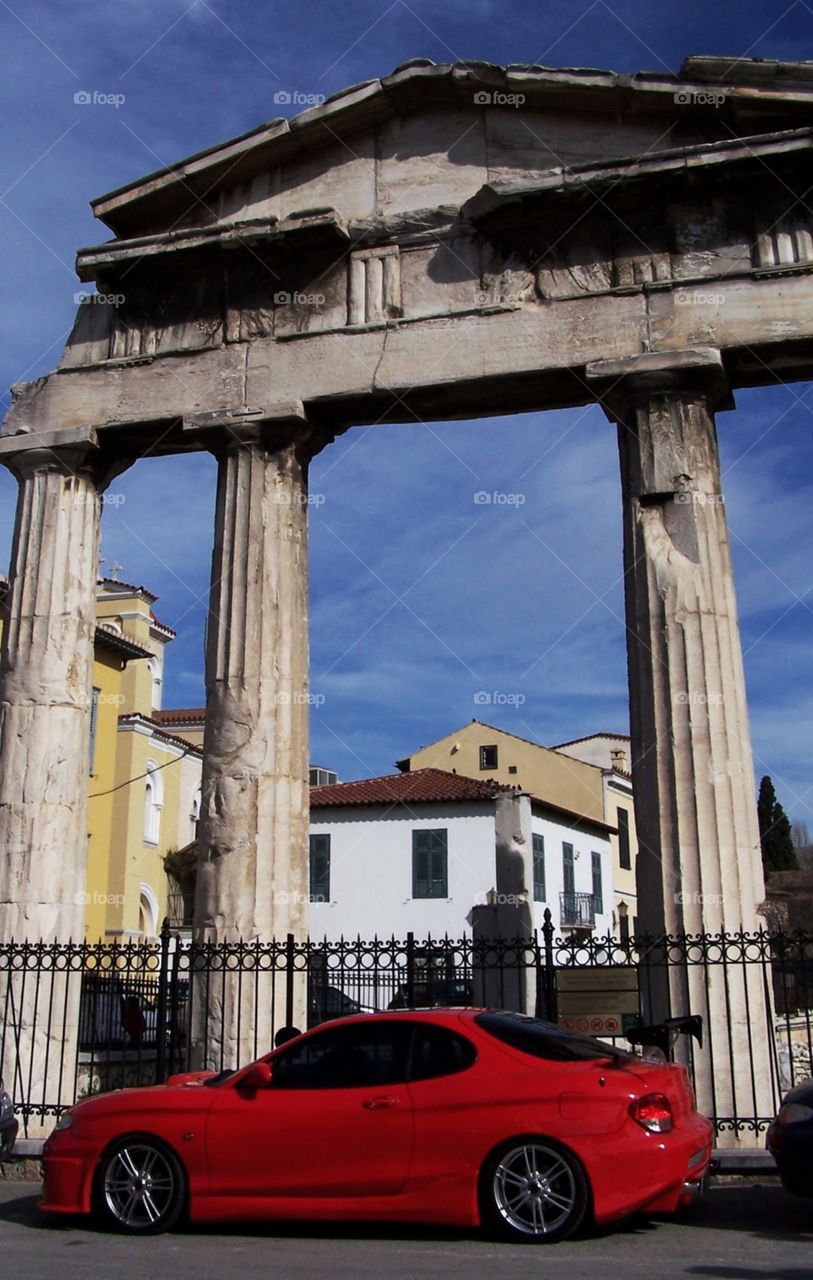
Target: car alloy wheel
536	1191
140	1186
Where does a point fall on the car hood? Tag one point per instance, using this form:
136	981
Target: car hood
190	1077
156	1097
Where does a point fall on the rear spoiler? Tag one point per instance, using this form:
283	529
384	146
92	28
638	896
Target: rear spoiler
662	1035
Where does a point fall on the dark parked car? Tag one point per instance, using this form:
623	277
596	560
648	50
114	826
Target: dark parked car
8	1123
790	1140
326	1003
436	992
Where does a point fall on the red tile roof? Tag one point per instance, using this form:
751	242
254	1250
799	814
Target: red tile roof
181	715
162	626
424	786
113	584
122	644
135	717
432	786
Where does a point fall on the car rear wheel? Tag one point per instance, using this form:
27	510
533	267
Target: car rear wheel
534	1190
140	1186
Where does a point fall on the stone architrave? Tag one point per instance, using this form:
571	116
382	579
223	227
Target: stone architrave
253	867
45	693
699	865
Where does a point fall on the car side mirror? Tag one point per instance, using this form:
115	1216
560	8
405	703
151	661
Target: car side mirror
258	1076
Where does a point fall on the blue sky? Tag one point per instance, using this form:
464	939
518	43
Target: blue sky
421	597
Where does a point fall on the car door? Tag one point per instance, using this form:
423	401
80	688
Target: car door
452	1102
336	1119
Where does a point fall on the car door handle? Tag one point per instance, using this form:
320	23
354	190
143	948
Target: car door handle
379	1104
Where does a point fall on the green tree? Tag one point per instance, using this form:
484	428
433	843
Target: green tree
778	853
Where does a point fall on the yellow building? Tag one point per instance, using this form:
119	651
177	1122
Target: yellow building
589	777
143	778
111	657
155	799
480	750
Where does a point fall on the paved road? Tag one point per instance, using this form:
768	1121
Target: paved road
744	1232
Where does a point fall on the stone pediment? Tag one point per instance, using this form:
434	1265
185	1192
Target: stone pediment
430	135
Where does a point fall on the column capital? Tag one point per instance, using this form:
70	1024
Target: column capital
74	451
65	450
272	427
695	371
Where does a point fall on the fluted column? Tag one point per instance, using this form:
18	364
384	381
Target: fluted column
45	692
253	866
45	684
699	862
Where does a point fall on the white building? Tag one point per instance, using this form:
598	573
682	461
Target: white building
610	752
419	852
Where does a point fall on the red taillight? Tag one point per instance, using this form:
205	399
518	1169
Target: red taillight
652	1112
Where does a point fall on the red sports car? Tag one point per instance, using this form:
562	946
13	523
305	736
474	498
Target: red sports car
457	1116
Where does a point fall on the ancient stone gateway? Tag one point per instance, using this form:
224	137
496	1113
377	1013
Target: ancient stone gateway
448	241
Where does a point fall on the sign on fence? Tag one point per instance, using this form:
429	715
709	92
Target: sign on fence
597	1001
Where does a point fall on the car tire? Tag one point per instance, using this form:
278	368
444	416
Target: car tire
533	1191
140	1186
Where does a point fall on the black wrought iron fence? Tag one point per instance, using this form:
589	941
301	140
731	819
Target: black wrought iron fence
79	1018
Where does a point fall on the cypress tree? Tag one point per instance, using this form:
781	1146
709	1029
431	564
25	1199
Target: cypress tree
778	853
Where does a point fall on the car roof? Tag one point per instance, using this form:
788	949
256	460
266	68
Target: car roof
437	1013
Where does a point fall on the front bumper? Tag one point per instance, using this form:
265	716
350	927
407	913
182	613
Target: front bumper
67	1168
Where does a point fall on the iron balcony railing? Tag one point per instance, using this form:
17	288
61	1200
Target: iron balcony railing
577	910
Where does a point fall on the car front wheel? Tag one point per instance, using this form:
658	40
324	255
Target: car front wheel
534	1190
140	1186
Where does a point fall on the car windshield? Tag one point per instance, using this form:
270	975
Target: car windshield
546	1040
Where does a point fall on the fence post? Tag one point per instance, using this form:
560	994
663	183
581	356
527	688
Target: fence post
161	1013
551	1011
410	982
289	979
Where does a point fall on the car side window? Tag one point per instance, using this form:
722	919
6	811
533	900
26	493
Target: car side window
439	1052
371	1055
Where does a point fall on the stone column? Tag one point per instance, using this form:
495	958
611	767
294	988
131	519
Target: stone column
45	686
699	862
502	926
253	864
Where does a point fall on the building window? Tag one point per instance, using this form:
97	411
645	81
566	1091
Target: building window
320	868
489	757
147	912
156	671
539	867
624	922
598	890
624	859
194	817
429	864
512	768
568	868
153	803
94	717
